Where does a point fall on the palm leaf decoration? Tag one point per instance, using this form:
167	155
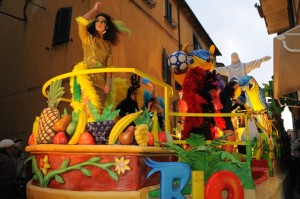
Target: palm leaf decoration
203	154
144	118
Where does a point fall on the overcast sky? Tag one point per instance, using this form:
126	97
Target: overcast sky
235	26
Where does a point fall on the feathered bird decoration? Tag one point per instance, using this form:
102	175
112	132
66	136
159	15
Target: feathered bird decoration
121	27
254	94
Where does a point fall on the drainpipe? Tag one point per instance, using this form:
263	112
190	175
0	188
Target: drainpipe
291	14
178	19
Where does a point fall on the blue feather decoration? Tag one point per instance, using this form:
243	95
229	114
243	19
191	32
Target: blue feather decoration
145	81
243	81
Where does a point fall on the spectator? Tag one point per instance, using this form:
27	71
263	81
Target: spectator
8	187
21	170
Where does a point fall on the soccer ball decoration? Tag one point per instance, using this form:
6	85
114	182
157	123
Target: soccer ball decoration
178	62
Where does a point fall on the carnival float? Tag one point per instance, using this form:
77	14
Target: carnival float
87	151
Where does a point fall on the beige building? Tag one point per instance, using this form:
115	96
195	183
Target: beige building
283	18
39	40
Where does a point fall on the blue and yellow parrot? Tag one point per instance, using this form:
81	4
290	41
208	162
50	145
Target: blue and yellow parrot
254	94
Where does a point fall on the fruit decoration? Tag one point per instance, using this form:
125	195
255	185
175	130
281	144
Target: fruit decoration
70	130
80	128
86	138
62	123
150	139
162	137
121	125
143	124
60	138
31	139
141	134
103	124
50	114
35	129
126	138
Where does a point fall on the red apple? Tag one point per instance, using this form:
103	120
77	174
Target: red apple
162	137
31	139
86	138
60	138
150	139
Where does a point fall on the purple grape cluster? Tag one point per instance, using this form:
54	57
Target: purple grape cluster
100	130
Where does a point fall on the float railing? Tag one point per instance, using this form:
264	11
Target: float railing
248	153
168	90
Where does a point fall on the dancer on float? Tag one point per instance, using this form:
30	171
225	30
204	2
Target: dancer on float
98	32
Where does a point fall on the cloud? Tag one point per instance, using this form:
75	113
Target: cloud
235	26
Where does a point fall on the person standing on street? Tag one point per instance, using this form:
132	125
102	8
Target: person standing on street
8	170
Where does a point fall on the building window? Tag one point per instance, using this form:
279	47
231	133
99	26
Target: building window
196	43
168	11
166	72
150	3
168	15
62	26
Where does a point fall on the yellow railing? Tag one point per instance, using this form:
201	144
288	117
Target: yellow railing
216	115
168	93
168	90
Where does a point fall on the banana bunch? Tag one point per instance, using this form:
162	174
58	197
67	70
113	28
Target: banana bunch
120	126
141	134
82	120
35	128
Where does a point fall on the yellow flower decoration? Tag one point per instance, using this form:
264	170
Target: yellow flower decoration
44	164
122	165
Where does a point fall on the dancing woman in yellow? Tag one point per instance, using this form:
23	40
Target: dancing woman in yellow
98	33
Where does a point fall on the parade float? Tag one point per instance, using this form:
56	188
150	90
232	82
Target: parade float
86	151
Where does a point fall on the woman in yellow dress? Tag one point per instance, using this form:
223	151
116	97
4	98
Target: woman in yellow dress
98	33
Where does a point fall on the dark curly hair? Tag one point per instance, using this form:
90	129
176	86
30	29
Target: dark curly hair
229	89
131	90
112	32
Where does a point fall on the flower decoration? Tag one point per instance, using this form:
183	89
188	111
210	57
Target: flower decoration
122	165
44	164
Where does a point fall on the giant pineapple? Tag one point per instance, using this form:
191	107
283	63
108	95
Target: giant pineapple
50	114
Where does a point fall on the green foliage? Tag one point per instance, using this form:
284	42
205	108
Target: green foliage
108	113
59	179
55	92
65	112
75	116
65	167
203	154
76	90
144	118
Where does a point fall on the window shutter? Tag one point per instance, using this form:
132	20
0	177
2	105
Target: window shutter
62	26
166	72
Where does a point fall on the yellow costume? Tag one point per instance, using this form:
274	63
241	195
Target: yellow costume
97	52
